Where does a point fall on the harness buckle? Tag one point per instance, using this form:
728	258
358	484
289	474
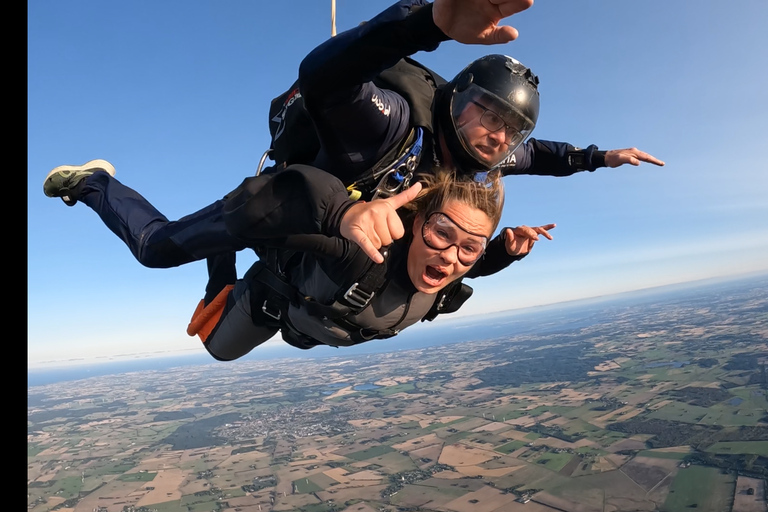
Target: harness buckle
357	297
270	310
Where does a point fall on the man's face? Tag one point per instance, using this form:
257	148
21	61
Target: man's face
491	146
431	270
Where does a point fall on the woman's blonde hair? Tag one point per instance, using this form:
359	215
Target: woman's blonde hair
483	192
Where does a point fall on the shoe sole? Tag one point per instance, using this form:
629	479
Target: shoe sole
93	165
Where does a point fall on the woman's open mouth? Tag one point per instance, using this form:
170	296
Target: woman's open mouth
433	276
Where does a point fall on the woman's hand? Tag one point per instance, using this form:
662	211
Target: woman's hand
376	224
519	241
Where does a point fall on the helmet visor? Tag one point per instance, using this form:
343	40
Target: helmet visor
489	128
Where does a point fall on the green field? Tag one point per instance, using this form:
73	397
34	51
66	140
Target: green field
374	451
137	477
678	411
69	487
33	449
701	488
391	390
745	447
553	461
304	485
510	447
662	455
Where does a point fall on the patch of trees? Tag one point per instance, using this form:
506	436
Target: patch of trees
706	362
745	433
565	365
759	378
667	433
742	362
703	397
197	434
745	464
172	415
676	433
259	484
553	431
244	449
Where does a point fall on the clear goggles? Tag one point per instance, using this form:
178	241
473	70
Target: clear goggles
494	115
440	232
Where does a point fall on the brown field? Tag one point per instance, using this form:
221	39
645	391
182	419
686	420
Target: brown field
651	333
461	455
406	396
514	434
114	495
627	444
558	420
361	478
359	507
621	414
422	496
607	365
488	500
743	502
430	452
492	427
323	454
191	485
167	484
472	471
293	501
448	475
556	502
609	463
675	449
393	381
343	391
418	442
461	383
648	472
522	421
351	493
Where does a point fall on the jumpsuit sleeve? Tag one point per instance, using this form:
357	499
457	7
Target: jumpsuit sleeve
357	121
300	200
549	158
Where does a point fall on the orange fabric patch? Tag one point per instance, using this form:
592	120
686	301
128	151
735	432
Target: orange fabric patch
205	318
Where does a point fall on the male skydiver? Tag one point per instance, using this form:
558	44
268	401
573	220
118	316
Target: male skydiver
353	58
479	120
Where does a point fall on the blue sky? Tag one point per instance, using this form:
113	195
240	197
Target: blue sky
175	94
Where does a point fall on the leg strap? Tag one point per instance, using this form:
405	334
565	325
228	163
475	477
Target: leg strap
205	318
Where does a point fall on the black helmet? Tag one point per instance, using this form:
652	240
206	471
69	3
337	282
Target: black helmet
487	111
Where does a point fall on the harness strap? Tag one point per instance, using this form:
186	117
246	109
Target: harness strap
450	299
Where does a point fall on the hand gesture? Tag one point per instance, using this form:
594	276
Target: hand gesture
376	224
477	21
519	241
617	157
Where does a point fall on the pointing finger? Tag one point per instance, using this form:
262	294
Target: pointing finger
645	157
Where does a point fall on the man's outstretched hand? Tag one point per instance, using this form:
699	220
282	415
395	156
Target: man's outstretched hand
618	157
477	21
520	240
376	224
